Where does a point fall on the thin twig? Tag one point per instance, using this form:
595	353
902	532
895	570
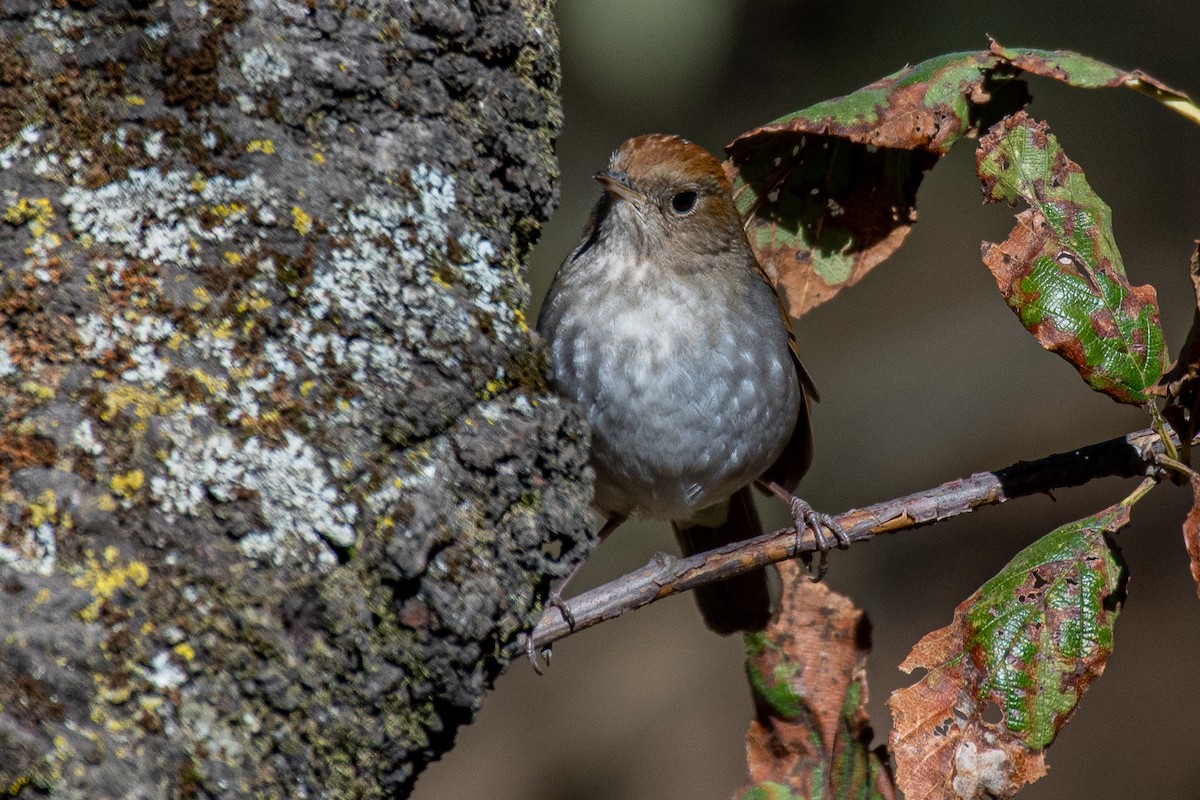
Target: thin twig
1134	454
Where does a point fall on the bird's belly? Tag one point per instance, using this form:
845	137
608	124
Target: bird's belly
684	417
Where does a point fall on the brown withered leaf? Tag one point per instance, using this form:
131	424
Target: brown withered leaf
829	192
808	672
1009	671
1191	532
1181	383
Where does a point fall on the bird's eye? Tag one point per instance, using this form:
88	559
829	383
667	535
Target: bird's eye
683	203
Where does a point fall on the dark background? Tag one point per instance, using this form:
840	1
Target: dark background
925	374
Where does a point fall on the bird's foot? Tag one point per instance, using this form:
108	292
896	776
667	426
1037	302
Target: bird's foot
805	517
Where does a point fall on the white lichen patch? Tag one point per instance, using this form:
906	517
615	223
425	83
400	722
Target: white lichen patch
32	546
7	367
265	65
393	264
83	436
223	736
156	217
35	553
298	502
164	673
153	145
19	148
139	337
63	29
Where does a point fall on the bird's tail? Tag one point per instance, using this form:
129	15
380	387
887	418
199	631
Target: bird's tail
740	603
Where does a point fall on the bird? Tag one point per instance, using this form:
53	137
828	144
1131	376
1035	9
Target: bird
663	327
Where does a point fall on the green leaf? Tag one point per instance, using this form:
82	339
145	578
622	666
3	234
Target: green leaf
1082	72
1060	269
1041	630
774	690
769	790
1029	642
1065	66
829	192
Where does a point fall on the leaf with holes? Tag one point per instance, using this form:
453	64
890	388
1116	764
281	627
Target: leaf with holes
1024	648
812	737
1082	72
829	192
1060	269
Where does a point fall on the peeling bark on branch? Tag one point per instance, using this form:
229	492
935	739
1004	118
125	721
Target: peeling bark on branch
278	465
1126	456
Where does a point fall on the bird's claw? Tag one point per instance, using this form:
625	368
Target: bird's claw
805	517
554	600
532	654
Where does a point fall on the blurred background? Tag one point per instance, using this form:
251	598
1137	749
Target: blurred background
925	376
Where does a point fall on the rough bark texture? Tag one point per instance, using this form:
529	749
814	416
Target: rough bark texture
277	468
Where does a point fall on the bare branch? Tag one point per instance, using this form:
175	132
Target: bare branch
664	575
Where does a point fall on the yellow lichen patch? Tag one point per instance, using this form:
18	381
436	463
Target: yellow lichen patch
202	296
198	184
301	220
43	509
224	211
127	484
105	580
116	696
184	651
222	330
306	387
493	388
139	573
37	211
253	302
264	146
519	318
43	596
232	258
135	100
106	503
144	404
318	158
37	390
213	384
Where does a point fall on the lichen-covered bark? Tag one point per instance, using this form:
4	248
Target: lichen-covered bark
280	480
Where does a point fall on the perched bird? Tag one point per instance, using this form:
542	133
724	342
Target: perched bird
663	327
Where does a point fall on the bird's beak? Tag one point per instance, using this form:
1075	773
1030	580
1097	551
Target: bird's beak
617	185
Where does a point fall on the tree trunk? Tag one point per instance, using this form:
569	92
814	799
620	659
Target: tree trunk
281	481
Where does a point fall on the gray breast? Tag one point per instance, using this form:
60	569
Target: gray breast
687	402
